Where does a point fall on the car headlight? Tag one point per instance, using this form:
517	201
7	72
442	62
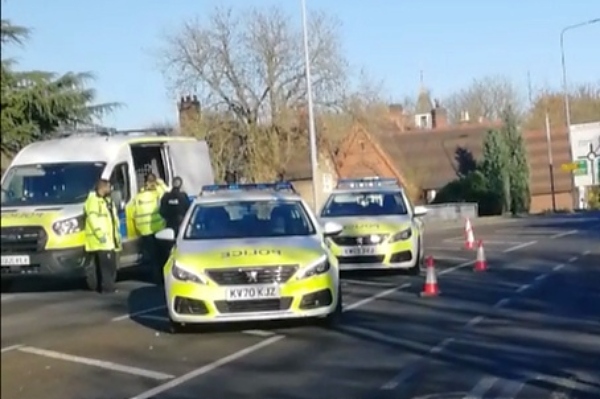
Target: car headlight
319	267
402	235
68	226
182	274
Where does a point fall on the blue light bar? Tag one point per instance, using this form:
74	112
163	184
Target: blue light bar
278	186
365	182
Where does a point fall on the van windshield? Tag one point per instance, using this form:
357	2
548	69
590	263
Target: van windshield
49	184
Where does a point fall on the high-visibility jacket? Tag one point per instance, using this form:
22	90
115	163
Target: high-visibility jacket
101	224
161	187
146	212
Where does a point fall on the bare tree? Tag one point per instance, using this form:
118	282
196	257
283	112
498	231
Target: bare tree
486	98
248	68
251	63
584	102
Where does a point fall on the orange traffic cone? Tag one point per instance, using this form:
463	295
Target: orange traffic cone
469	237
480	263
431	286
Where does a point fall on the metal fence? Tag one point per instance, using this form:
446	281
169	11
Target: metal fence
451	211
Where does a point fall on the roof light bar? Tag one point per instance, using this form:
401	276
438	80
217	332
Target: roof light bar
365	182
278	186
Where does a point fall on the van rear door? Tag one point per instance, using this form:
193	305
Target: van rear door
190	160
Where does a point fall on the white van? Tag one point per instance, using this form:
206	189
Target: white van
46	185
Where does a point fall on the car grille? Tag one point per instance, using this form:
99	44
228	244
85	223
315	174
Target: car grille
258	305
360	259
358	240
252	275
22	240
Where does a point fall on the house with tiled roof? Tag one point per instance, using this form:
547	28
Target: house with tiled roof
427	152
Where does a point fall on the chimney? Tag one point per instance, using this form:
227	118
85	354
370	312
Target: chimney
439	116
396	114
189	111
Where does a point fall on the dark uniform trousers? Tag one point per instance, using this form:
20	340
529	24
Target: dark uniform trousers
106	270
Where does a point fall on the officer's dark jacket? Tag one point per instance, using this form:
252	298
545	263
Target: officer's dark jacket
173	207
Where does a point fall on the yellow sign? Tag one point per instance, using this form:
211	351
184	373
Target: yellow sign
569	167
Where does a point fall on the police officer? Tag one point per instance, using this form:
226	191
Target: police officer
174	205
102	238
148	221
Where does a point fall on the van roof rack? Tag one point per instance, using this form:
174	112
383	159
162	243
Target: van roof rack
277	186
109	132
366	182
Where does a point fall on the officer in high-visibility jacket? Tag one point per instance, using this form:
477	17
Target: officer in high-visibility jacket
148	221
102	238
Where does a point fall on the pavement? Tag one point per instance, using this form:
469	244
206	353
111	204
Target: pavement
527	328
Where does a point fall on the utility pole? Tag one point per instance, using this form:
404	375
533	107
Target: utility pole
550	161
311	116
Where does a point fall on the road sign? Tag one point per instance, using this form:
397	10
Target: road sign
569	167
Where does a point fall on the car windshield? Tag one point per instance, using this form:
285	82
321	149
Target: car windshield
365	204
244	219
49	184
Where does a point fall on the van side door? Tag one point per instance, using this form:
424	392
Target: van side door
190	160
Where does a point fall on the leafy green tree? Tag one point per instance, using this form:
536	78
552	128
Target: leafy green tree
518	165
494	167
35	104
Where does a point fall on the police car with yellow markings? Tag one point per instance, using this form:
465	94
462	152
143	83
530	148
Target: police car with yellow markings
381	228
47	183
251	252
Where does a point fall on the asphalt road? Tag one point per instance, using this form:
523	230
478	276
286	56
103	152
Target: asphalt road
527	328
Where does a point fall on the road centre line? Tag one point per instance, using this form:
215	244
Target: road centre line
405	375
517	247
152	393
485	384
96	363
564	234
10	348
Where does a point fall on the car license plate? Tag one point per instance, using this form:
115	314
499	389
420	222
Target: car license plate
252	292
15	260
355	251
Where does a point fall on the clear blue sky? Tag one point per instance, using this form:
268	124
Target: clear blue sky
453	41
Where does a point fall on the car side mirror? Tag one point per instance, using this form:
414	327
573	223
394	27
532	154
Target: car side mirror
331	229
420	211
166	235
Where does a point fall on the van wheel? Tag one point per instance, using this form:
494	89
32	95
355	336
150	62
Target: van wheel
333	319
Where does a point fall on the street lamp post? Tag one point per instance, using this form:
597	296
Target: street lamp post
564	73
311	116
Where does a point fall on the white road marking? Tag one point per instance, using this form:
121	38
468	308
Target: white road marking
502	302
10	348
96	363
564	234
517	247
375	297
474	321
259	333
450	258
366	283
453	268
558	267
573	259
482	387
541	277
404	375
152	393
141	312
510	388
586	253
523	288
